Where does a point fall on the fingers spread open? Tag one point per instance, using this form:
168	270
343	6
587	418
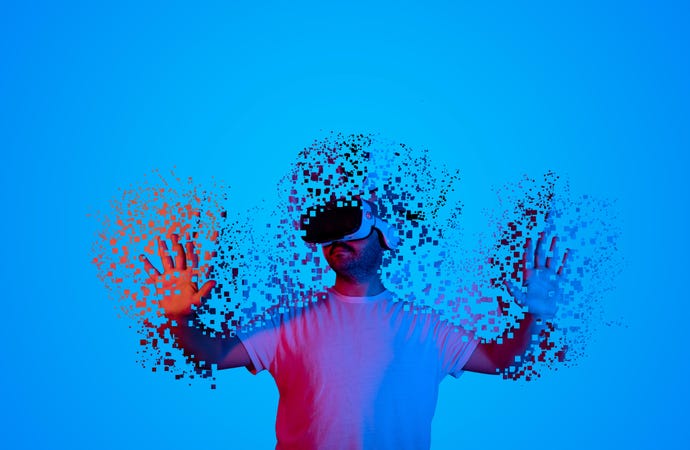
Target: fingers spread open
180	258
205	289
539	251
165	255
509	286
565	258
151	271
192	257
515	292
527	257
552	255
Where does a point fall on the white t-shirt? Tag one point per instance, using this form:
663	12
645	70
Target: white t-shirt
356	372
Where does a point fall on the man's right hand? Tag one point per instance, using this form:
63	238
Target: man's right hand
177	284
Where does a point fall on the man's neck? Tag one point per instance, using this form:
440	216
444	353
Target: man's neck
359	288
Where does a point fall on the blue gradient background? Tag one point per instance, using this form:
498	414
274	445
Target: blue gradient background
94	95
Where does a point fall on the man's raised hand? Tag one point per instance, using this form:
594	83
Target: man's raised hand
541	276
177	284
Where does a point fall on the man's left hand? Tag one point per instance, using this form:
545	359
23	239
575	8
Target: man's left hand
541	288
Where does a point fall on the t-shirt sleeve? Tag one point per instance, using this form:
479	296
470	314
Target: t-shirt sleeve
260	337
456	346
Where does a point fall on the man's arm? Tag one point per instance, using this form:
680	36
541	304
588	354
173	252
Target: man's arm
197	343
178	293
542	282
495	356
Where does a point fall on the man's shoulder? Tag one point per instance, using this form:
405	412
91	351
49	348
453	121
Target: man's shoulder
288	307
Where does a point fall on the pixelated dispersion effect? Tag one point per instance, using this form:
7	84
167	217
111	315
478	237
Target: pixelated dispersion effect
258	259
159	207
587	230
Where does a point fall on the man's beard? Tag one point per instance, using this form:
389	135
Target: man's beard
356	266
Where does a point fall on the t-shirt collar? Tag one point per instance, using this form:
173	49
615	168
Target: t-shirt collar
386	294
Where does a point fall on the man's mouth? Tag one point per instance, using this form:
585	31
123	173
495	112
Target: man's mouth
342	247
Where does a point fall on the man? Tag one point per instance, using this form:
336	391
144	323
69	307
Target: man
355	369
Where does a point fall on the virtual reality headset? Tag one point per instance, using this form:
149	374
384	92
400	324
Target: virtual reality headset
343	220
